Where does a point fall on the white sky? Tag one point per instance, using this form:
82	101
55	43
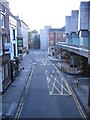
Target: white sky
39	13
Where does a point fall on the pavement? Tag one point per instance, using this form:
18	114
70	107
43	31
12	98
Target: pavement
11	97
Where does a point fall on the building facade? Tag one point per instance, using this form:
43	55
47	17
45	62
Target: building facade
78	38
55	36
22	36
13	36
5	44
44	38
24	33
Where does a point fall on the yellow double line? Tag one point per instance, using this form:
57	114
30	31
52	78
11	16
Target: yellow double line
23	96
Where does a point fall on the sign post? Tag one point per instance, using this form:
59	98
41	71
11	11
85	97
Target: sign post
20	48
20	44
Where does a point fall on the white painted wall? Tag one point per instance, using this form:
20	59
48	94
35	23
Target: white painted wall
13	26
44	38
24	33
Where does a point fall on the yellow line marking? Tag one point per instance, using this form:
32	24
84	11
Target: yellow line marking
20	110
63	79
22	99
73	95
54	86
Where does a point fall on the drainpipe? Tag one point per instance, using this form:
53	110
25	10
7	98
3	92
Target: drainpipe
0	91
0	67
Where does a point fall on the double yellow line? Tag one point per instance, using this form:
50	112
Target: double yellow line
21	104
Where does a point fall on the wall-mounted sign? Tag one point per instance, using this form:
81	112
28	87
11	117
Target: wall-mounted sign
8	48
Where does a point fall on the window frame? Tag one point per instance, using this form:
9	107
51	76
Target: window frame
2	21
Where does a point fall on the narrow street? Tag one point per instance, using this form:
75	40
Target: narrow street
48	94
44	59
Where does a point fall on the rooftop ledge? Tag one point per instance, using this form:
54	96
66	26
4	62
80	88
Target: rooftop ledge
75	49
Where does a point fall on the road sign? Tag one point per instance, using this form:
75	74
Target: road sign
20	42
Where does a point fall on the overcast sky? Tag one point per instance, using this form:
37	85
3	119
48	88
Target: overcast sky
39	13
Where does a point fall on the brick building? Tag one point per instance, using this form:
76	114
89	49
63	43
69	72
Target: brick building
5	44
55	36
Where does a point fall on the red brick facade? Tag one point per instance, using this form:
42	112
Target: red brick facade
54	36
5	58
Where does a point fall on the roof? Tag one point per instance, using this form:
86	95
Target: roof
24	22
57	29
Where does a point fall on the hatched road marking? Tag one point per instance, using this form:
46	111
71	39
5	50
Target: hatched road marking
55	86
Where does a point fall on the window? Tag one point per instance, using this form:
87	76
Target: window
5	39
13	34
60	34
0	45
51	42
51	34
3	20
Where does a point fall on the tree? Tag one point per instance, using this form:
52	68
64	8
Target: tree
36	42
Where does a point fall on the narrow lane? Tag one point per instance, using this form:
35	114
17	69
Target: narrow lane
39	103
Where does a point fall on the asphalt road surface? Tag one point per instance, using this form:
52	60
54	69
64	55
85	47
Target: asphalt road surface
48	94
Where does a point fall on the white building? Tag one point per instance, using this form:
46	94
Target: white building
44	38
13	36
68	24
24	33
